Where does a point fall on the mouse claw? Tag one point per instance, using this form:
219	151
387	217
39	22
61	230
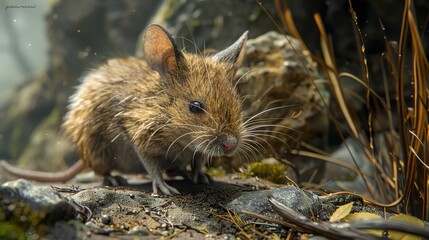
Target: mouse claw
114	181
161	185
201	177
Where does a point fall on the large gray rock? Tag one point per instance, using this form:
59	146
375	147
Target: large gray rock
28	210
302	201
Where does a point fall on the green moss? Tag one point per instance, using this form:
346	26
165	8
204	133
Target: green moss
274	172
216	171
19	221
11	231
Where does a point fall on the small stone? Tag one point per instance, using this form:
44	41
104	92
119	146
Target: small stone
132	196
164	233
91	224
139	230
105	219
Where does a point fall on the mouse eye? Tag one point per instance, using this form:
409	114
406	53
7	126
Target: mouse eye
196	107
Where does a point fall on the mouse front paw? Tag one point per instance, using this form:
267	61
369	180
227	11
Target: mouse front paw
114	181
201	177
160	186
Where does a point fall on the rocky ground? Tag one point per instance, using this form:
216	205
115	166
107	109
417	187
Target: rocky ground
86	210
82	209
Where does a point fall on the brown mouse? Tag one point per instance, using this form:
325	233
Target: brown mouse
160	112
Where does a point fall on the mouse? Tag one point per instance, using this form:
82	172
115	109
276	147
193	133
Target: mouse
153	114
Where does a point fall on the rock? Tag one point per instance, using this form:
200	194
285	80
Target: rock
139	230
212	24
101	200
300	200
25	207
276	73
279	78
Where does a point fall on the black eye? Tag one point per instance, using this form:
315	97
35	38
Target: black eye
196	107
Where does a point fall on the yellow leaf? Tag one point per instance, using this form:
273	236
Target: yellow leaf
341	212
362	216
407	219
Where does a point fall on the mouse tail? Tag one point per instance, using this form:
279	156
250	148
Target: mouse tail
39	176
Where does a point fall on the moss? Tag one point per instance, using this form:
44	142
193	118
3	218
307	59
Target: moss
216	171
274	172
11	231
19	221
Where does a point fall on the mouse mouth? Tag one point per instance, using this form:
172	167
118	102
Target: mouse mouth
224	145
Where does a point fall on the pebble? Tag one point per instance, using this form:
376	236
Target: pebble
105	219
139	230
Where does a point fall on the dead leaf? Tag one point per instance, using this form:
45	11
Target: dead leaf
362	216
409	220
341	212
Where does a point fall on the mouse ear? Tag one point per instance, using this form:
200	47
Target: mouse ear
234	54
160	50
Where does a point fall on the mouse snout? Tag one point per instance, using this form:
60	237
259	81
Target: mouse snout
228	143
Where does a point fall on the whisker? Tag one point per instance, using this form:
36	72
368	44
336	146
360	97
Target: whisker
187	145
242	76
267	110
274	132
257	144
273	125
196	150
250	148
175	140
211	152
275	137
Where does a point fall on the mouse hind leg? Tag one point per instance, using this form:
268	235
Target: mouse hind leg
114	181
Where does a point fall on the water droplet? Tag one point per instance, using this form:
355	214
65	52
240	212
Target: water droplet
29	44
14	20
134	10
78	30
95	54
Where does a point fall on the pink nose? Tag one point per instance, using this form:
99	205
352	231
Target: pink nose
229	144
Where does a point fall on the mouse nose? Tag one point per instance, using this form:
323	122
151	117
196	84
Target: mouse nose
229	143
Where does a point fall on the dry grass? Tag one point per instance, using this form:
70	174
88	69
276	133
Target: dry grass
396	133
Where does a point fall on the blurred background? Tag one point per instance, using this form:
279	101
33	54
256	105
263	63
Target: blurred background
24	43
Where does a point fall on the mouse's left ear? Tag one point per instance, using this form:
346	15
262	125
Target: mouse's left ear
160	50
234	54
